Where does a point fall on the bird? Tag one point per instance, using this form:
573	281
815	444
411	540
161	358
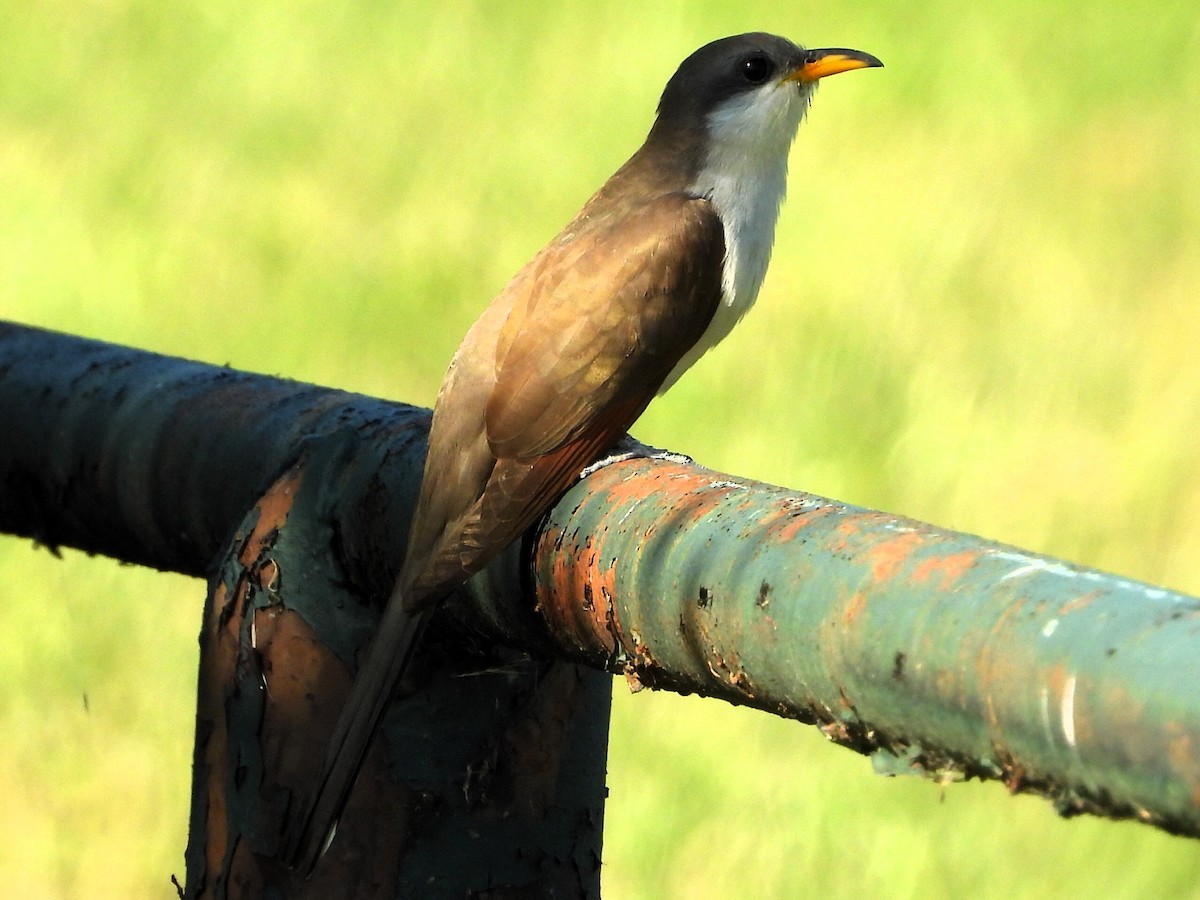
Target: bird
653	271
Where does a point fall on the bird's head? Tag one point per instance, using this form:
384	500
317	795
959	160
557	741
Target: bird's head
748	89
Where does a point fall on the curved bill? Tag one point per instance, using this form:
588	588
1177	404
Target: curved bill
830	61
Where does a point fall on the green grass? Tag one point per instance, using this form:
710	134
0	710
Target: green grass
982	312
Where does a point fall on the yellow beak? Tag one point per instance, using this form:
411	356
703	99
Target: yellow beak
819	63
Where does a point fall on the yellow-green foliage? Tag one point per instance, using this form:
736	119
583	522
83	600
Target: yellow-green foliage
983	312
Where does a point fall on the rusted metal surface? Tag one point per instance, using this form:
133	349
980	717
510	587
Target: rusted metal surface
940	653
489	778
152	459
269	691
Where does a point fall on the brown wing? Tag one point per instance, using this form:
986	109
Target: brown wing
556	370
609	318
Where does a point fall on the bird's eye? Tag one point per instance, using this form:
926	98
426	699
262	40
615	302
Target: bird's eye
757	69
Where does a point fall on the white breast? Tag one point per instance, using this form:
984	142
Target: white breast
745	177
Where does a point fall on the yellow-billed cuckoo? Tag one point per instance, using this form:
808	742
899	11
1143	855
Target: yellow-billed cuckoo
654	270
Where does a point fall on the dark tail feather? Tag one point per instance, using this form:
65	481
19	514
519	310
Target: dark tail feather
309	835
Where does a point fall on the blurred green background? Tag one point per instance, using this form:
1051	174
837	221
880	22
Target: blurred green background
982	313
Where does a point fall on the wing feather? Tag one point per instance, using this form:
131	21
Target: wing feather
553	374
609	319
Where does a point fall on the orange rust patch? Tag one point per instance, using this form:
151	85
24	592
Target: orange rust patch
1081	602
221	657
1057	676
950	568
601	618
672	480
577	602
795	521
1010	612
854	607
664	489
304	685
886	557
273	509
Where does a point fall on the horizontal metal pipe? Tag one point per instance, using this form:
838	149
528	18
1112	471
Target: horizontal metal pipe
940	653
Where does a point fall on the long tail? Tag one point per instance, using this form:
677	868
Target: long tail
309	835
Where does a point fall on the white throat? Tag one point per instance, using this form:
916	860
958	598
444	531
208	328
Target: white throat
745	177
